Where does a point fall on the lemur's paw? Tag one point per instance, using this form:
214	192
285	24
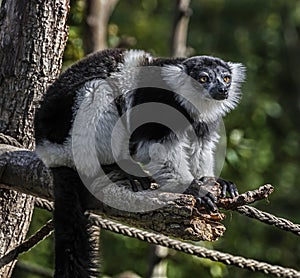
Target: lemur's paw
139	179
203	196
207	190
140	182
133	172
223	186
227	186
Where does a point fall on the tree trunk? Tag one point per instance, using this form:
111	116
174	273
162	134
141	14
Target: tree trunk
158	265
180	28
98	13
32	39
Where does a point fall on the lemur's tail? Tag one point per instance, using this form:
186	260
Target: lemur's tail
75	254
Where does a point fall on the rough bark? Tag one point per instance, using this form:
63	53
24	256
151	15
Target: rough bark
32	39
98	13
180	28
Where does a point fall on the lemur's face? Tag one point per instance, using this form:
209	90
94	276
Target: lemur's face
213	74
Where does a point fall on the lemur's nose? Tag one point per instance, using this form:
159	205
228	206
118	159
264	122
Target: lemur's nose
222	89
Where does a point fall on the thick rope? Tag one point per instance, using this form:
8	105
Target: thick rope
188	248
44	204
198	251
269	219
29	243
8	140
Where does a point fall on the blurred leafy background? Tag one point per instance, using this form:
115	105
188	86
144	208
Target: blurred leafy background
263	133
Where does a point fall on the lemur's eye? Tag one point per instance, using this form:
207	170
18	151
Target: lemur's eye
203	79
226	79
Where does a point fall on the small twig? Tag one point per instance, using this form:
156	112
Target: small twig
27	244
246	198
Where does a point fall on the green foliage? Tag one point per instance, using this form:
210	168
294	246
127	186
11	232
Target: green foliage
148	22
263	133
74	49
135	260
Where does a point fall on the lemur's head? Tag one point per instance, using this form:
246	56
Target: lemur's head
209	83
214	75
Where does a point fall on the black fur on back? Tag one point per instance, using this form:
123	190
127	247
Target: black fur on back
56	112
159	62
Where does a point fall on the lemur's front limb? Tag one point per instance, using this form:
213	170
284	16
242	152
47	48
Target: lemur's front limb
202	162
169	166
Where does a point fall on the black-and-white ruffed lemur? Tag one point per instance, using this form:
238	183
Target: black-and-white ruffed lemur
108	85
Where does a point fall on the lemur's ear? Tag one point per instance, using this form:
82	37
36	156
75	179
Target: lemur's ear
174	75
238	72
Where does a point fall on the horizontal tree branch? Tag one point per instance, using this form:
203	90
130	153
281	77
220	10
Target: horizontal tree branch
178	215
23	171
